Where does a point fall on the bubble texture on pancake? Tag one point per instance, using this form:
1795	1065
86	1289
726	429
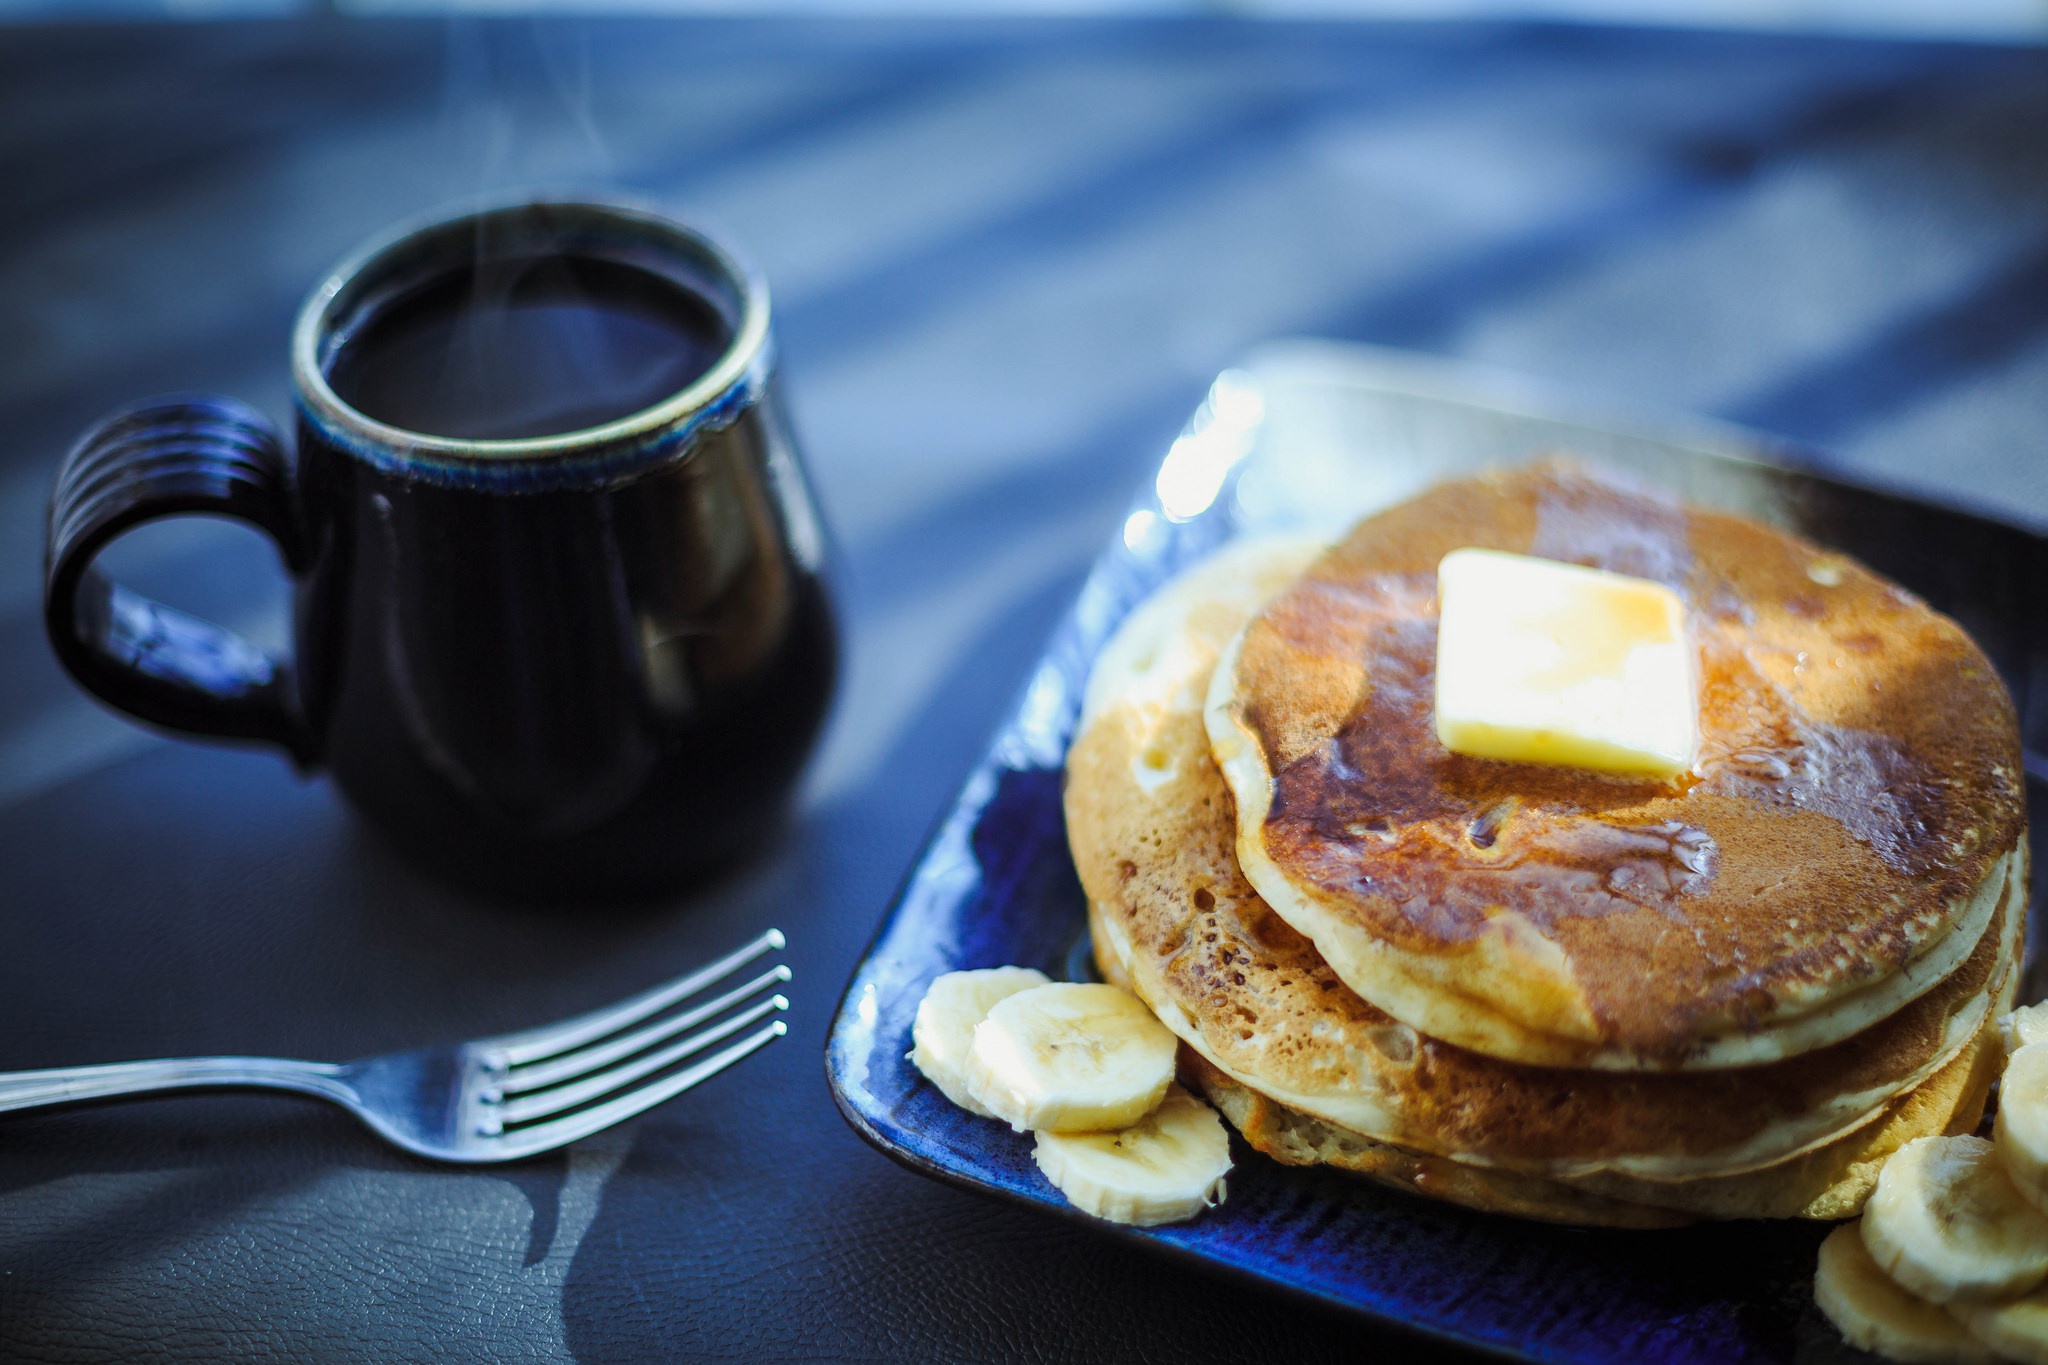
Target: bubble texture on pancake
1150	824
1836	851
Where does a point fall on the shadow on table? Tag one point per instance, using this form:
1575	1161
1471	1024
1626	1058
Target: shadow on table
900	1268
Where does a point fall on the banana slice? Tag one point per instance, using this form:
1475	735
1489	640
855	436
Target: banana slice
1874	1313
2016	1329
1165	1168
946	1017
2021	1132
2028	1024
1069	1058
1947	1224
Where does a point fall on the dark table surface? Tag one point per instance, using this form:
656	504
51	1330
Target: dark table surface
1007	259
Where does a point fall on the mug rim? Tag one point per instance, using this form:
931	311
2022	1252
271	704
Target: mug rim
739	372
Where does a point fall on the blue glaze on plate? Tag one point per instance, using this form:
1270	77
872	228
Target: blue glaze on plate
1340	431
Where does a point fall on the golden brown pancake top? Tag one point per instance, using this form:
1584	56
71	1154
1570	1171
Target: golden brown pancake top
1857	779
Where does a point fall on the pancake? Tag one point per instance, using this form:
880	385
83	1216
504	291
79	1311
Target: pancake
1848	829
1833	1180
1150	823
1827	1184
1295	1139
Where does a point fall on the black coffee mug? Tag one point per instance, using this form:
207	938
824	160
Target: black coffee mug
585	661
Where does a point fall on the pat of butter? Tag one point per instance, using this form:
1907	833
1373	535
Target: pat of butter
1542	662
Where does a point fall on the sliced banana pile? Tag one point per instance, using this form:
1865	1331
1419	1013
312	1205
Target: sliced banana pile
944	1028
1090	1071
2023	1026
1950	1259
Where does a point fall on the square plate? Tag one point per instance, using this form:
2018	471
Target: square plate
1314	435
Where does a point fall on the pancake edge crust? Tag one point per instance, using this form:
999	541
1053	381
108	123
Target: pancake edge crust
1295	1139
1377	1120
1453	993
1825	1185
1771	1146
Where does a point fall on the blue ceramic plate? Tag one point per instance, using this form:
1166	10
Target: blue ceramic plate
1314	434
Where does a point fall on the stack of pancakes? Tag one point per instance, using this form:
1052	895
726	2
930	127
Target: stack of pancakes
1540	990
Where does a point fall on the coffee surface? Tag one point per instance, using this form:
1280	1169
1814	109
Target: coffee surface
527	347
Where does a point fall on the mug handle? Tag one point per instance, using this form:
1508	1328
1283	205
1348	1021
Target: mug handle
160	459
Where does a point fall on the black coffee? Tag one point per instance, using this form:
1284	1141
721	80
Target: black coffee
536	346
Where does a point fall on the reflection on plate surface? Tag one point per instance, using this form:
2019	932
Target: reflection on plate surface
1314	435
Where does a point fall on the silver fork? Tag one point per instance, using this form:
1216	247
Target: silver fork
496	1099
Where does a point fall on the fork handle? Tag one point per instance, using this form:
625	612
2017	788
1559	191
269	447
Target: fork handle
80	1084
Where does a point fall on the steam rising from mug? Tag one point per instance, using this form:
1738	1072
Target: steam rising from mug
527	345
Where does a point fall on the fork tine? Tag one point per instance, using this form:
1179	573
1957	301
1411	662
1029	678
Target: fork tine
529	1045
545	1137
604	1082
570	1065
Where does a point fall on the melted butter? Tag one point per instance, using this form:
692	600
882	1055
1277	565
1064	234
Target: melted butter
1460	840
1545	662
